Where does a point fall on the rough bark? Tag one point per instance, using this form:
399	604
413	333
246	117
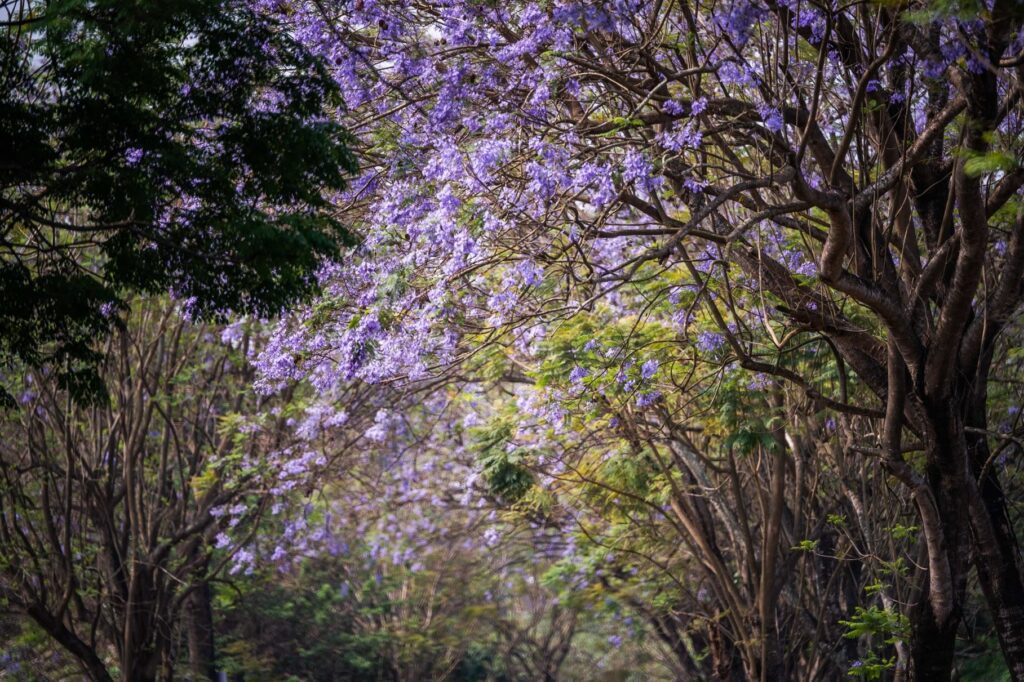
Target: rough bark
996	551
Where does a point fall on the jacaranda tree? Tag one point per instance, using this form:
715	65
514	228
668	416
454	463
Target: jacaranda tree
816	201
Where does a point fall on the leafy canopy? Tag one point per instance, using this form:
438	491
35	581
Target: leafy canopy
181	144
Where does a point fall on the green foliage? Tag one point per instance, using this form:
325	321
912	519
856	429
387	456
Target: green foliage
901	532
878	624
988	666
311	625
502	463
990	162
806	546
149	146
875	621
744	416
872	667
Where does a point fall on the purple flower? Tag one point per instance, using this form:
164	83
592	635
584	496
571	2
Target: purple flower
758	383
673	108
677	140
771	117
740	20
934	69
133	155
637	168
530	273
649	369
598	178
578	374
695	186
709	342
734	74
646	399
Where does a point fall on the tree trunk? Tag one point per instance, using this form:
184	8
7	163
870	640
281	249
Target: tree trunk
935	616
724	661
139	658
771	652
139	666
932	644
996	552
201	652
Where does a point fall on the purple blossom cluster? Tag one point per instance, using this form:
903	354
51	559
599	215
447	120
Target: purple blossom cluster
507	188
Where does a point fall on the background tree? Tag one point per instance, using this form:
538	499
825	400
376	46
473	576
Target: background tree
399	566
146	146
112	517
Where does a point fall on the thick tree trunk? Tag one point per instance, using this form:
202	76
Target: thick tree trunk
201	652
139	659
139	666
932	645
942	499
1000	580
